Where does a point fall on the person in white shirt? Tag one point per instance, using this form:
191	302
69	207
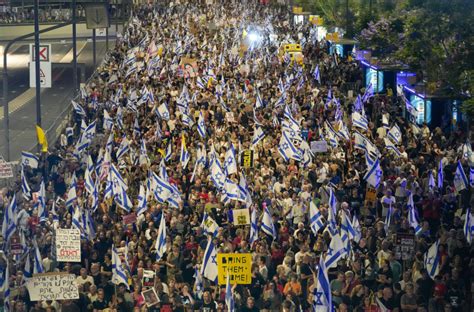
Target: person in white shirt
84	278
387	200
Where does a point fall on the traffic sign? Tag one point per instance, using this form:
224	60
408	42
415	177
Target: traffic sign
45	66
97	16
44	52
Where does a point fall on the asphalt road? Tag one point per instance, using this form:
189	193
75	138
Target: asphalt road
54	100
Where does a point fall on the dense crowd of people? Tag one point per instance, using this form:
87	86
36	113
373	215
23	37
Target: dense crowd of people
186	88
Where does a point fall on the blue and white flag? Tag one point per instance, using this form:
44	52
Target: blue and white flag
440	175
29	159
374	175
360	121
229	296
185	156
163	112
316	220
161	189
209	262
201	127
25	188
217	174
388	219
471	176
136	128
108	121
119	276
5	287
258	135
200	83
230	166
78	109
42	215
160	244
395	134
412	219
357	228
123	148
347	231
9	221
322	299
460	178
335	252
432	260
143	157
267	223
208	225
385	121
38	261
71	197
317	74
198	284
332	222
431	181
369	92
253	227
258	101
86	137
142	200
468	228
391	147
288	150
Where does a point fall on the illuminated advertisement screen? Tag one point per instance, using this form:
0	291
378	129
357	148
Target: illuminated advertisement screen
371	77
423	112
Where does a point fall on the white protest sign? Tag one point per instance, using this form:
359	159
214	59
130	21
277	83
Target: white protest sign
52	286
319	146
68	245
6	170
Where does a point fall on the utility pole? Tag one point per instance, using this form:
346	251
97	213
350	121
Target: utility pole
37	66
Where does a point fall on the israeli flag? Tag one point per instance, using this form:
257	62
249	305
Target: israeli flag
163	112
360	121
332	222
119	276
123	148
385	121
119	117
29	159
200	83
143	157
391	147
258	135
253	227
77	219
288	150
316	220
395	134
468	228
335	252
142	200
412	215
201	126
217	174
347	230
38	261
374	175
388	219
25	188
322	299
42	203
136	128
230	165
168	152
369	92
208	225
471	176
357	228
160	188
9	220
229	296
440	175
71	197
431	181
317	74
209	263
187	120
259	101
432	260
460	178
185	156
160	244
267	223
198	283
78	109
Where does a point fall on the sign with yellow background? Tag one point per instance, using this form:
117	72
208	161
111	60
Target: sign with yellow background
238	266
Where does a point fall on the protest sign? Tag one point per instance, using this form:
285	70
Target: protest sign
130	218
241	216
6	170
52	286
68	245
319	146
150	296
247	159
188	67
238	266
370	194
405	246
148	278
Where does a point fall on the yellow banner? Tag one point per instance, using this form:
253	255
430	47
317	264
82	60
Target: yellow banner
238	266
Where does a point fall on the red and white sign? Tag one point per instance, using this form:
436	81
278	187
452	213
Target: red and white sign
68	245
45	66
